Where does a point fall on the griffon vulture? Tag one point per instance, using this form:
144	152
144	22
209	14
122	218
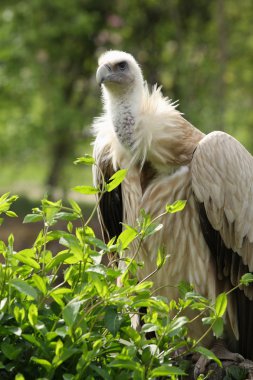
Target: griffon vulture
211	242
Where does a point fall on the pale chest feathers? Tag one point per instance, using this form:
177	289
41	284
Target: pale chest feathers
181	236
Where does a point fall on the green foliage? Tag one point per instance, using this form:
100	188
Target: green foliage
5	204
63	316
116	180
246	279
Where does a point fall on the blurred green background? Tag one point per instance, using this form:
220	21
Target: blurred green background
200	51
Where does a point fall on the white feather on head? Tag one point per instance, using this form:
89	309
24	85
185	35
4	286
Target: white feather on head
114	56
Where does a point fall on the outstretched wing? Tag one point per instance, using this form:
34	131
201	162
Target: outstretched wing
222	181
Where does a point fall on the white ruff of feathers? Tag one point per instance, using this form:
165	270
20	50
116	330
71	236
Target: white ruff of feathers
152	114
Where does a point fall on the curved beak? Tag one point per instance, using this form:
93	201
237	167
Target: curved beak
103	74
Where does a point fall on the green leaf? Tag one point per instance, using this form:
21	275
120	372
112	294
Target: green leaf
33	218
184	288
99	269
58	347
4	197
25	259
75	206
246	279
116	179
96	242
11	240
63	354
62	331
132	334
67	216
49	204
161	257
88	231
167	370
11	214
57	260
112	320
61	290
3	302
126	237
24	288
143	286
69	376
71	242
70	227
152	229
10	350
33	314
208	354
176	206
86	189
218	327
175	325
55	235
86	160
19	314
103	374
19	376
146	355
40	283
221	304
195	296
31	339
149	327
51	210
6	201
125	362
70	312
100	284
15	330
156	304
51	335
208	320
43	362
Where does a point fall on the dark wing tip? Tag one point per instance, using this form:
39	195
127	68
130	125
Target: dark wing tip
229	266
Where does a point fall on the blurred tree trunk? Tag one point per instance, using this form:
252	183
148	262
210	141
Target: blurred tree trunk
63	144
175	15
222	59
60	151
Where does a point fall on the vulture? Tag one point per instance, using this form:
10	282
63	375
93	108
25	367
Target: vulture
210	242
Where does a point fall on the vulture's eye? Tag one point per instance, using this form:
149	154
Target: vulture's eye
122	65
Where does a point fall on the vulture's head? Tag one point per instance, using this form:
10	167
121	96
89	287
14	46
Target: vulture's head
118	72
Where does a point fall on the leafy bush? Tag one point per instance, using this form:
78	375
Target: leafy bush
63	316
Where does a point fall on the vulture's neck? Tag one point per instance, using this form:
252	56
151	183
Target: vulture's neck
124	110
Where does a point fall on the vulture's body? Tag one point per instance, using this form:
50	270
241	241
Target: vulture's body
210	243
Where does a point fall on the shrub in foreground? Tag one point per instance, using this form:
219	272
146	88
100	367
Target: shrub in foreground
63	316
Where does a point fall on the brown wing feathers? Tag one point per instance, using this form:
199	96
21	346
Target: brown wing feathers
229	265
